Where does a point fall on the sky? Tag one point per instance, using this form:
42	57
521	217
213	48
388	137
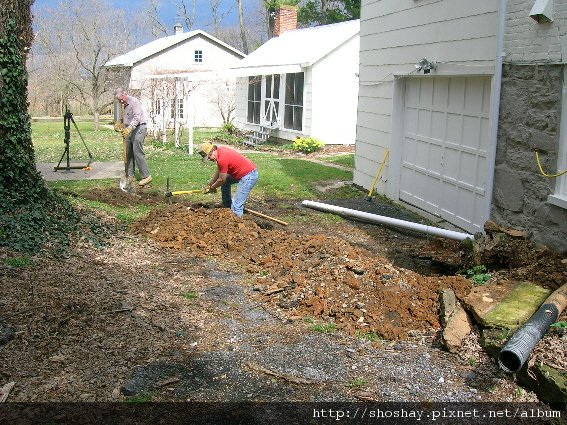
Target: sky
167	10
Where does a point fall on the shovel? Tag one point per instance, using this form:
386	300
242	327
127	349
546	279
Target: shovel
169	194
125	183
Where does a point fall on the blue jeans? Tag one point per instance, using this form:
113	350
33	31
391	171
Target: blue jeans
245	185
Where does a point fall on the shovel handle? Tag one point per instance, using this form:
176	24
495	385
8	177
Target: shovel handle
267	217
185	192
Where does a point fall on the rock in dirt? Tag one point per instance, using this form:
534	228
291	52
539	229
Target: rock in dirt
6	333
457	324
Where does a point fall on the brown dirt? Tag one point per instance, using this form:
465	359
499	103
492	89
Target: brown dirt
309	275
81	325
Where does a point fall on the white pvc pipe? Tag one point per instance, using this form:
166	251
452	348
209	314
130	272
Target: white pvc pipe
374	218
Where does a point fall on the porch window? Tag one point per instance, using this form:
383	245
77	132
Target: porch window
157	107
293	116
179	108
254	99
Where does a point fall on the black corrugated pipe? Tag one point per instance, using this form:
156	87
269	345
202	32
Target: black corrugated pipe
517	350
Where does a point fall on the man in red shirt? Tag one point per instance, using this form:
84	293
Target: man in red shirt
232	167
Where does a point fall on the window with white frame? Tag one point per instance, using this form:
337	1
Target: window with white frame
157	107
198	56
180	108
293	111
254	99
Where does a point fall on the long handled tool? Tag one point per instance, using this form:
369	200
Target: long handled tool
169	194
125	183
183	192
371	191
267	217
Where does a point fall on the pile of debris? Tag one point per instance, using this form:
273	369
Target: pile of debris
321	277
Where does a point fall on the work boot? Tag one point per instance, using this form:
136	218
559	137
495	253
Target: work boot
145	181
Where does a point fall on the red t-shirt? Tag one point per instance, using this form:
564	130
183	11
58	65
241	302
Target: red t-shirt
233	163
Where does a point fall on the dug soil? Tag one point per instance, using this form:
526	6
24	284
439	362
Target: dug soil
191	303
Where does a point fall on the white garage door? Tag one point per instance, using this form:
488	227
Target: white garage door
446	139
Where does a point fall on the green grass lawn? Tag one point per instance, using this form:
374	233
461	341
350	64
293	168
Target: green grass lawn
280	178
346	160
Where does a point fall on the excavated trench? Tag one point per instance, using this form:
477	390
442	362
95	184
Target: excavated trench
213	307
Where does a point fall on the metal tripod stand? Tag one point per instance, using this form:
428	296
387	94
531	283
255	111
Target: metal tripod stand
67	120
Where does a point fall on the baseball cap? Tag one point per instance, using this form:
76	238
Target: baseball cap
206	149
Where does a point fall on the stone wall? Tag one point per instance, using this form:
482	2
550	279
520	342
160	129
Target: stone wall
530	114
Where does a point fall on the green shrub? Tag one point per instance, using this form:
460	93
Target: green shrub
307	144
229	134
478	274
230	128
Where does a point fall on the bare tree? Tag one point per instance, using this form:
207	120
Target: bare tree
157	27
75	40
170	104
242	27
185	13
223	97
218	16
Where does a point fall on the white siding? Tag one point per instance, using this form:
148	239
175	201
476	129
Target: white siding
329	58
241	103
204	97
459	35
335	93
181	58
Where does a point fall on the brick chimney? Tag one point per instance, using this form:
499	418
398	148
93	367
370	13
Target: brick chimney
285	19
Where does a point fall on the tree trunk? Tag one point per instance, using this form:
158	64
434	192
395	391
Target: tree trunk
242	27
19	180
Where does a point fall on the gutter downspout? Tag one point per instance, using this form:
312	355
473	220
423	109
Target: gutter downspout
495	105
374	218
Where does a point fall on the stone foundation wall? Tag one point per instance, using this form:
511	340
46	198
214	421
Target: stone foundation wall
530	115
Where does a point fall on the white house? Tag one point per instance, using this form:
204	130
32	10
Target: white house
301	82
182	79
461	97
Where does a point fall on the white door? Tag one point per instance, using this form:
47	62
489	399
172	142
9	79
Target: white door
446	134
271	100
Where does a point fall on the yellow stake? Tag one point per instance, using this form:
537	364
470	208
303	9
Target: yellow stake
378	174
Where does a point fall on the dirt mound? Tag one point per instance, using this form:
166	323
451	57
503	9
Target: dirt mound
310	275
115	196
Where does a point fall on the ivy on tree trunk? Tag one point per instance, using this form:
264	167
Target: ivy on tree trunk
31	215
17	169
